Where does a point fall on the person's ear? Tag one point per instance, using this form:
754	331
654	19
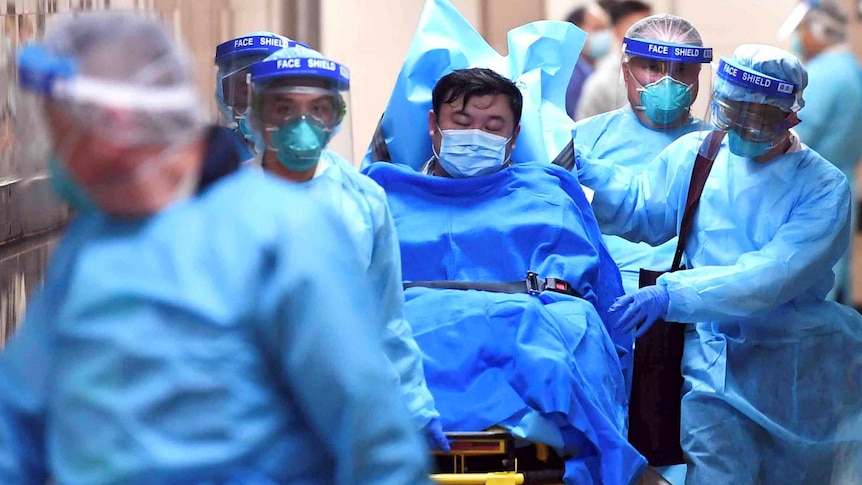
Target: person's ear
432	122
515	136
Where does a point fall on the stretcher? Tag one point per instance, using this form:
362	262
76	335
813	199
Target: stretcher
495	457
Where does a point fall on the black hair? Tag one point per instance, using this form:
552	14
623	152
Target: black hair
618	10
577	16
464	84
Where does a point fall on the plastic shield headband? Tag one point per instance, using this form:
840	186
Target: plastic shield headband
234	58
92	100
752	86
667	78
252	44
336	74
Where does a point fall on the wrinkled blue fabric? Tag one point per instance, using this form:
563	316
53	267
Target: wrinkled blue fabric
619	137
830	123
773	372
204	344
374	244
544	366
541	59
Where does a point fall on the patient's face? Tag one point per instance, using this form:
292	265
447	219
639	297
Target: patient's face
490	113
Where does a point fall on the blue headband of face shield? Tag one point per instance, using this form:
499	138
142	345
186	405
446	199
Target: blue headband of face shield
43	72
337	74
252	44
751	80
39	69
667	51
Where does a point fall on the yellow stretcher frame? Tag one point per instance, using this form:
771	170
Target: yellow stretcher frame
486	443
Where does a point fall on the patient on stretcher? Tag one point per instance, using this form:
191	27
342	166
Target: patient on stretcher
501	348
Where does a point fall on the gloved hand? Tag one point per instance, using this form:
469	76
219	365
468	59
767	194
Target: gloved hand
580	153
641	309
434	435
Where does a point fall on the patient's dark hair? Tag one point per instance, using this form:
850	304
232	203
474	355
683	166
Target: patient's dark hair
467	83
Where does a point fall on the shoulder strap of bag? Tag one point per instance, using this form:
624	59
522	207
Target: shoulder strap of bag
699	173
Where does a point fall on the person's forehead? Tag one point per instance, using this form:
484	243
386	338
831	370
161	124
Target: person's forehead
496	104
296	96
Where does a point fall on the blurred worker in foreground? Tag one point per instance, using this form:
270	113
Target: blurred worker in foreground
233	59
593	20
833	115
604	90
187	332
773	371
299	110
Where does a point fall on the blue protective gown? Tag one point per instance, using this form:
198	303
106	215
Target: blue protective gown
772	370
830	125
544	366
374	244
219	341
619	136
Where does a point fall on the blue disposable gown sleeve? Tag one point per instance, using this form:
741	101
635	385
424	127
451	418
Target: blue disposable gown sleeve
24	365
331	361
398	341
642	206
814	236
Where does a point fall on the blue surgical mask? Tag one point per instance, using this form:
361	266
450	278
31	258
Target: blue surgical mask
665	100
470	153
741	147
65	187
299	143
600	43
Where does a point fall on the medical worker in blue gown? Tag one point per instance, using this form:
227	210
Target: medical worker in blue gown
233	59
773	371
662	82
831	120
540	363
185	333
300	103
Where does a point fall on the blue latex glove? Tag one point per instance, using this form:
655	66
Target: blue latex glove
434	435
641	309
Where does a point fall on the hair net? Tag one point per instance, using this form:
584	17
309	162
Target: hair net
665	27
132	58
773	62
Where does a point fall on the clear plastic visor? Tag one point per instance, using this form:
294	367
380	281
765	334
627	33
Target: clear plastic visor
324	110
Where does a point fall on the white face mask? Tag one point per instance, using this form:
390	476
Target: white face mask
470	153
599	43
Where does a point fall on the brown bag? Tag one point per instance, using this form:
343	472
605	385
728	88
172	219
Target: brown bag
655	405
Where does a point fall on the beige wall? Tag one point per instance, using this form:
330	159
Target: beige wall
371	37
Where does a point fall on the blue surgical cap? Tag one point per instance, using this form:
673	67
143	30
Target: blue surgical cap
770	61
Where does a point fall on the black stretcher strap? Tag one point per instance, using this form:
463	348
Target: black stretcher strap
532	284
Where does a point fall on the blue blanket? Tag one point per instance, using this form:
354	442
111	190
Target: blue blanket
545	367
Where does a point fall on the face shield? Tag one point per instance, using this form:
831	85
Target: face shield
118	131
299	107
663	80
233	59
748	105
